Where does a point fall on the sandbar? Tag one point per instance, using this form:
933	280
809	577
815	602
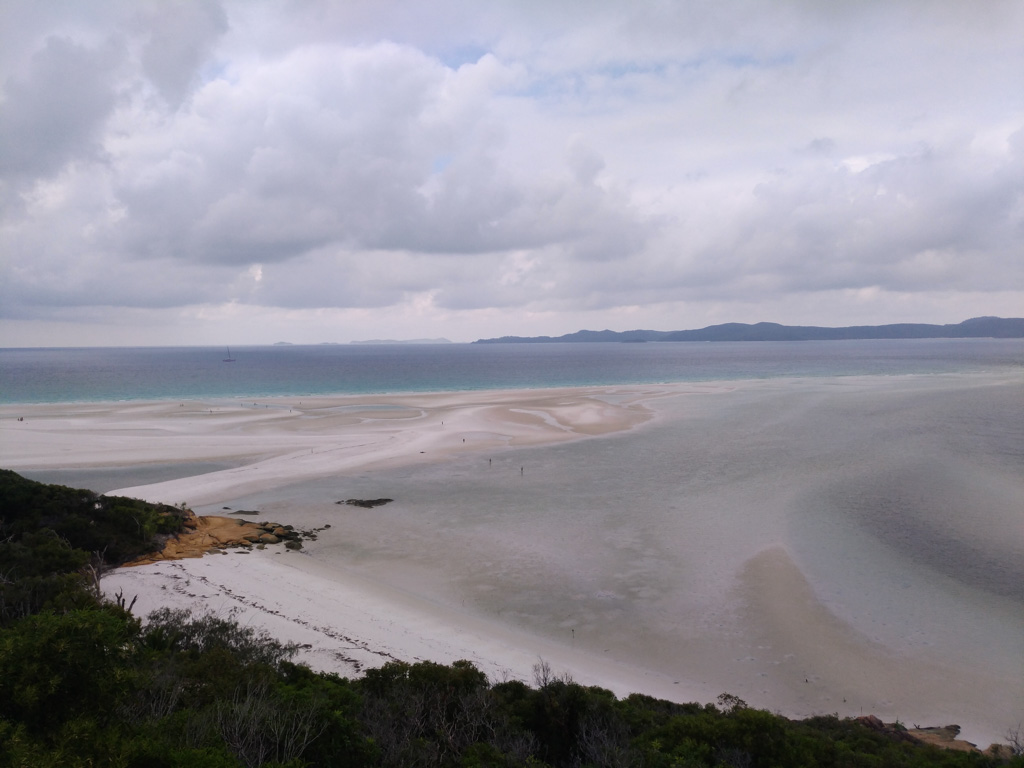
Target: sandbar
279	440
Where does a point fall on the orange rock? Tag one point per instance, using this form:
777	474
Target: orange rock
207	533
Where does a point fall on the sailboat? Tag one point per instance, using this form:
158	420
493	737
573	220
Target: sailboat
229	358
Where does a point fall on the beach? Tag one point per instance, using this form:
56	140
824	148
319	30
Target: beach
834	545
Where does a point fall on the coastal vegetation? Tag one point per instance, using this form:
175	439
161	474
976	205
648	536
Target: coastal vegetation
84	682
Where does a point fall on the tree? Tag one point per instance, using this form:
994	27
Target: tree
56	667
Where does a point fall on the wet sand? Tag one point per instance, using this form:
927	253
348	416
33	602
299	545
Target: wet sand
285	440
545	524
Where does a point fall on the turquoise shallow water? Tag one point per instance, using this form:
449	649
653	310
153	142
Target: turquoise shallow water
154	373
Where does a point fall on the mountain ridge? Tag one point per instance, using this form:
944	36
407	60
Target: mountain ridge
973	328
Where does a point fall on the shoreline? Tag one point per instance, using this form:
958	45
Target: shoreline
386	585
299	600
9	409
380	624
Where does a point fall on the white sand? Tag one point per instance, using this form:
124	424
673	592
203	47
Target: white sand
349	624
285	440
772	640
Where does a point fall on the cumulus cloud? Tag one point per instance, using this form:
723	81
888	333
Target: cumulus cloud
54	109
181	36
514	160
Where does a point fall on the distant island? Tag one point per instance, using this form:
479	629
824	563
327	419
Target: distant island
405	341
975	328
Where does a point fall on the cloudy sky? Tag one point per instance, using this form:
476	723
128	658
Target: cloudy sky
238	172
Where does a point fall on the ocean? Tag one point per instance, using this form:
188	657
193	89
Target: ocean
158	373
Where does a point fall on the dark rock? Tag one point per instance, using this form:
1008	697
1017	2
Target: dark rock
871	722
365	503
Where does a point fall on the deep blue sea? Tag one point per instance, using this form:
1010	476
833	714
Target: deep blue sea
155	373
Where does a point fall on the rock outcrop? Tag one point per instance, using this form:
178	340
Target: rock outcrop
365	503
938	736
212	532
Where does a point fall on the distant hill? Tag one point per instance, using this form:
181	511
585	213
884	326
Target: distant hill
975	328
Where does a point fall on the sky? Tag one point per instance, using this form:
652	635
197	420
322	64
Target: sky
253	171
